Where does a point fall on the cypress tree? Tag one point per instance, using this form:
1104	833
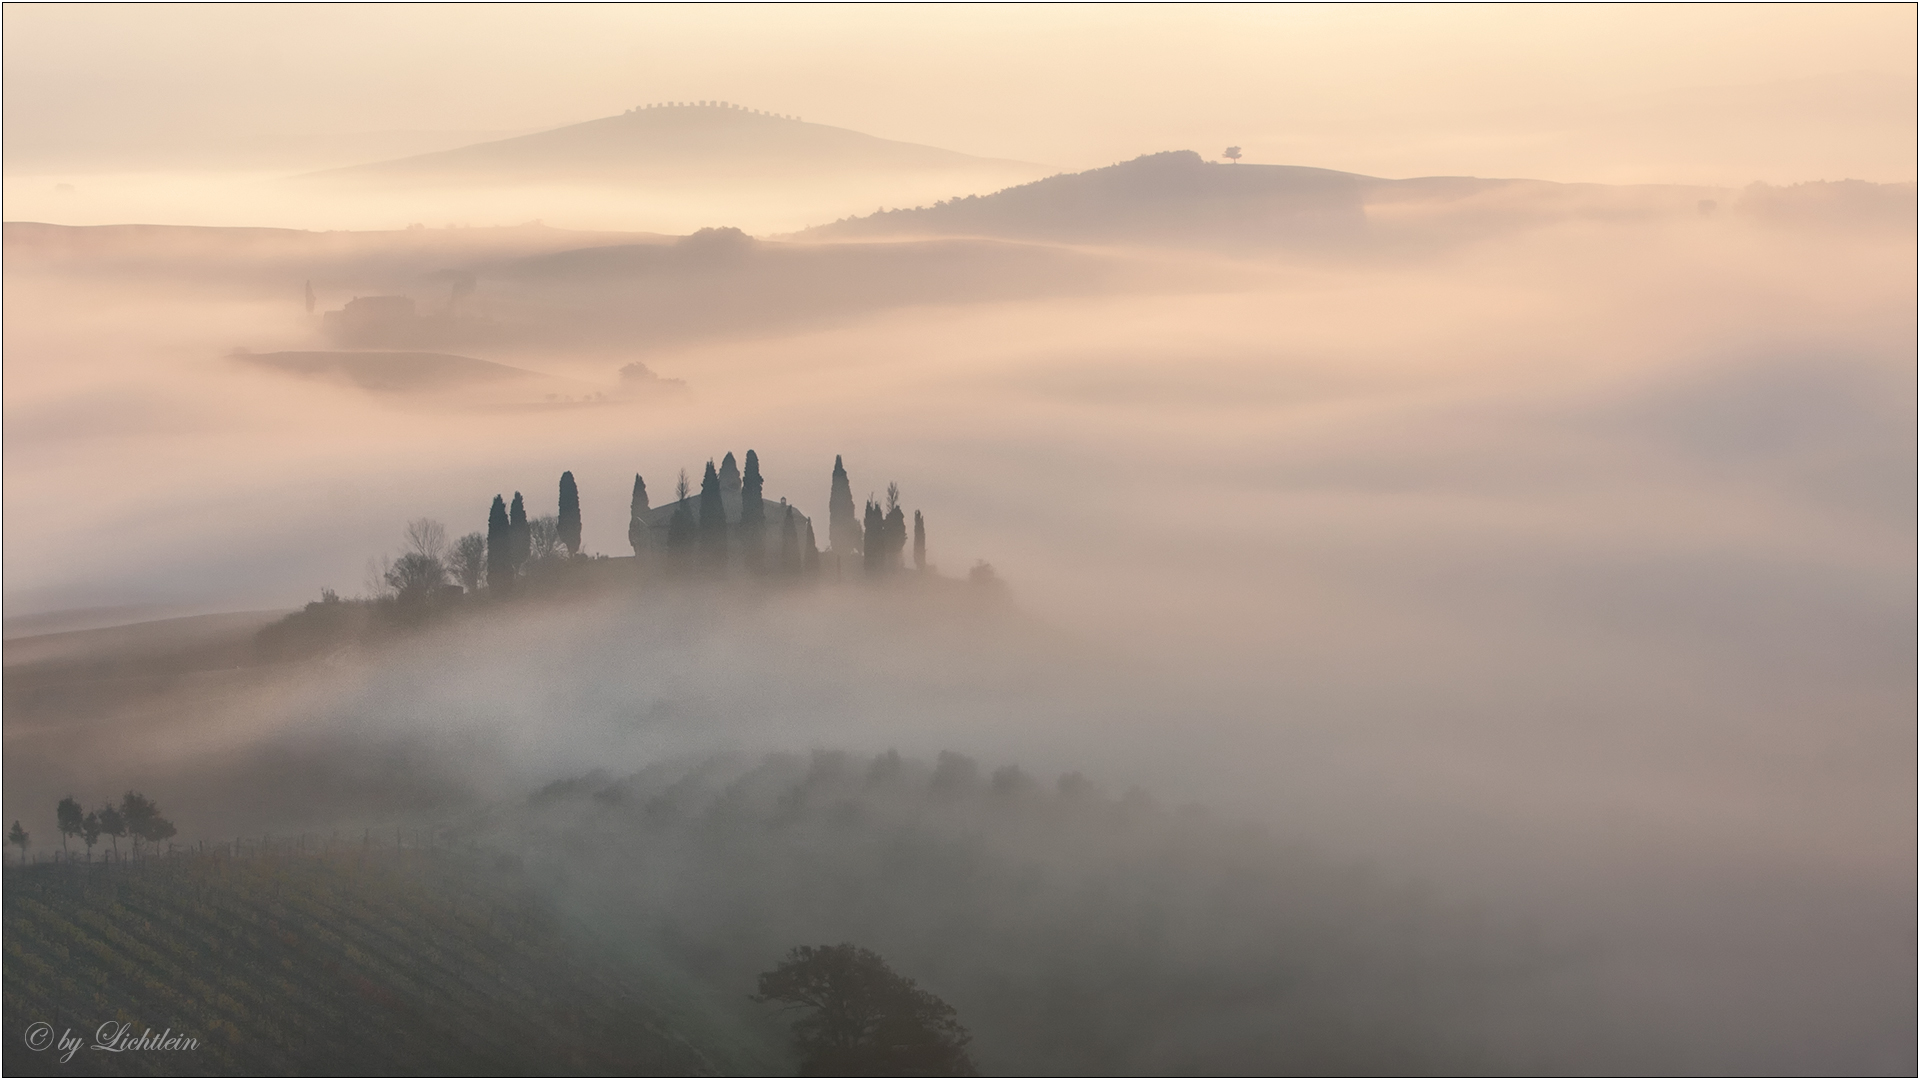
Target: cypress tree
919	542
874	546
729	475
809	554
519	536
753	514
569	524
713	521
680	530
636	517
896	529
499	547
789	542
843	531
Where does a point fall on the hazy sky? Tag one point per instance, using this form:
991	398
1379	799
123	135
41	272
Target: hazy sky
1719	94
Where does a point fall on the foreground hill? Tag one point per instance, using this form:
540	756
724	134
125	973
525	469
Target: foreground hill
351	962
673	143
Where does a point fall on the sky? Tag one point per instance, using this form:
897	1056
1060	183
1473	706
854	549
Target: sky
1718	95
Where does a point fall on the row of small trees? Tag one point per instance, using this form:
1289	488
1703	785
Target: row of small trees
136	817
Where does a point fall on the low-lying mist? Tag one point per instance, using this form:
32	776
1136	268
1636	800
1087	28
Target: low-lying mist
1568	573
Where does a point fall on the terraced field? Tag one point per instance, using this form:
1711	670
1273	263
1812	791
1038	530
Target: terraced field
348	963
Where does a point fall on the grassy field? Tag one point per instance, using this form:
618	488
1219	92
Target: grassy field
348	962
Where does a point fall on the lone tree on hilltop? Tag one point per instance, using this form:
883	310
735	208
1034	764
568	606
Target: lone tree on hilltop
713	521
519	536
569	513
70	819
18	836
753	514
636	516
843	530
499	546
864	1019
1232	154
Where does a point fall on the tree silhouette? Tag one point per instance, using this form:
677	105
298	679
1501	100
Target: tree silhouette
789	541
864	1019
499	546
69	817
90	832
143	820
843	531
713	521
569	513
680	531
809	553
470	559
896	528
636	516
753	514
919	542
1232	154
874	544
113	825
519	539
18	836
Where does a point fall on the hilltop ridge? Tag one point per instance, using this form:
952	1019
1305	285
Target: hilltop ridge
673	141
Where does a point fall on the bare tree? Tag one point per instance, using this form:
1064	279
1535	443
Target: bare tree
470	560
428	537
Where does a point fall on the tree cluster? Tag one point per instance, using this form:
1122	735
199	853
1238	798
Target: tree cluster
136	817
863	1018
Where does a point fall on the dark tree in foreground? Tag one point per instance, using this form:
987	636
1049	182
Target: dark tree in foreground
863	1018
843	531
919	542
18	836
499	546
753	514
636	516
569	513
69	817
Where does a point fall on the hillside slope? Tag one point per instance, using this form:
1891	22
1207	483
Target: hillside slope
669	143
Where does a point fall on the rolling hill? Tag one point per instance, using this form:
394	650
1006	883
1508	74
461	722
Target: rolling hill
671	144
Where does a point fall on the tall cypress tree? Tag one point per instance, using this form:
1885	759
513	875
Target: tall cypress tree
569	524
843	529
896	529
753	514
874	544
919	542
789	541
809	554
680	530
636	519
499	547
519	537
729	475
713	521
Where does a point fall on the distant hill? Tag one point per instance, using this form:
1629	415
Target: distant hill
1178	198
673	143
399	372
